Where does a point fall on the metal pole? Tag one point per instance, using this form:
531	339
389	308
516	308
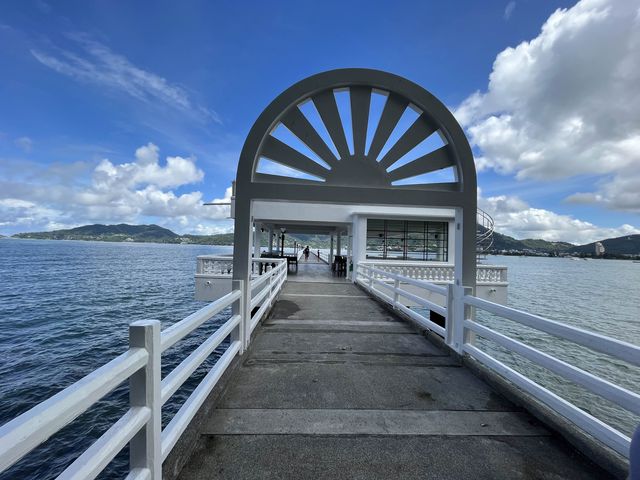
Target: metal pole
331	251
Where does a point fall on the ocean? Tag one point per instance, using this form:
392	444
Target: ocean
65	307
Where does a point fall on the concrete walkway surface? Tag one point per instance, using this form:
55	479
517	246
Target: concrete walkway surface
334	386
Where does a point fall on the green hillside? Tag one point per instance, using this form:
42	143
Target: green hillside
505	242
626	245
108	233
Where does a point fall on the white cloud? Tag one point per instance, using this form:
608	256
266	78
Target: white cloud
136	192
508	10
516	218
97	64
567	102
147	170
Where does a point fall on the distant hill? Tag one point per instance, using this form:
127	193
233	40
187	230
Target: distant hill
505	242
620	246
626	245
108	233
218	239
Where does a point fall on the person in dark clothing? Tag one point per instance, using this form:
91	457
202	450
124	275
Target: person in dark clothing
306	253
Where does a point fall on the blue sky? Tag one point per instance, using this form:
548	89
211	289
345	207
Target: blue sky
136	111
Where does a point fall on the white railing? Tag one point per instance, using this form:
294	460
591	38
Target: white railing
214	265
222	266
372	278
437	272
461	328
141	364
622	397
324	256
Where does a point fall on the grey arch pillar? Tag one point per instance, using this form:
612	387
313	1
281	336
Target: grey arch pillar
363	176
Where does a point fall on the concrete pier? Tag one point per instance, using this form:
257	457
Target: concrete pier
335	386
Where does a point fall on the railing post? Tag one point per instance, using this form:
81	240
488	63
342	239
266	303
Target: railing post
144	391
396	286
239	307
634	456
457	312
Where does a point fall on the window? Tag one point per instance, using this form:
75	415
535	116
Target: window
407	240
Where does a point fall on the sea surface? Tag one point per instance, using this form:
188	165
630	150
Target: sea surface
598	295
65	307
64	311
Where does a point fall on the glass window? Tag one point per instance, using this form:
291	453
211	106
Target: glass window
407	240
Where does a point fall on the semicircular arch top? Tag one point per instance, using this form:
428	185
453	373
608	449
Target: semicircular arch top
357	128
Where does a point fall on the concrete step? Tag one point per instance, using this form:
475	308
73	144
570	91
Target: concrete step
338	326
338	342
369	422
342	457
336	308
358	385
390	359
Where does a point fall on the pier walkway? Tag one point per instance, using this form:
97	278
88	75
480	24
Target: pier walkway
336	386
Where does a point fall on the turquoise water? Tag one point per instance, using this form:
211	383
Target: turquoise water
65	307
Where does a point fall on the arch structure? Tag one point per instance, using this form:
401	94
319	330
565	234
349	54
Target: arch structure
335	139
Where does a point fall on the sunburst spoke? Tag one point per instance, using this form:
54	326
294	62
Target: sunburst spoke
325	103
394	107
282	153
436	160
298	124
421	129
271	178
360	103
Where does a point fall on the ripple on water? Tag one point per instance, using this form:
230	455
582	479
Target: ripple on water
64	311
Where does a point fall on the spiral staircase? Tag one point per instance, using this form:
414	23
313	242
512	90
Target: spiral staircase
484	234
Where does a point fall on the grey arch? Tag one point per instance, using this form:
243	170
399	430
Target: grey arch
364	177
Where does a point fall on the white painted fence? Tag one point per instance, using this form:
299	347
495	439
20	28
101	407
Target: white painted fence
436	272
141	364
461	328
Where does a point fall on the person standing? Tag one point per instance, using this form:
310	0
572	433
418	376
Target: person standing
306	253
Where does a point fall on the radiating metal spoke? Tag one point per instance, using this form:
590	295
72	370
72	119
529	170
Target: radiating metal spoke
436	160
280	152
416	133
393	109
327	107
360	104
268	178
298	124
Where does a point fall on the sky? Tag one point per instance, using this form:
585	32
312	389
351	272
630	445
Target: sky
136	112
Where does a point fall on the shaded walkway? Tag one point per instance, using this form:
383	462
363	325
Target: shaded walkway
336	387
314	270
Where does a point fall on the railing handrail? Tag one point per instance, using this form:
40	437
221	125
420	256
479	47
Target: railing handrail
426	265
184	327
141	364
25	432
411	281
370	280
595	341
459	324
